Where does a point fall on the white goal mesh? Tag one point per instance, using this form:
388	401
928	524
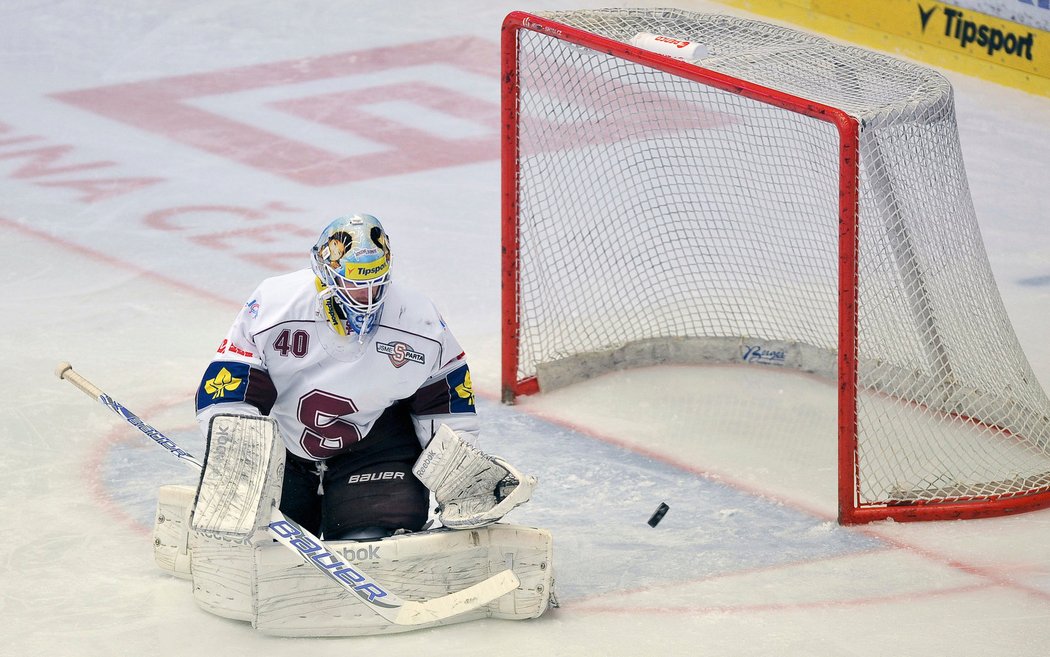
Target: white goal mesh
661	210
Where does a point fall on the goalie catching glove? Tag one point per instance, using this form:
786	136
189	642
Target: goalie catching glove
472	489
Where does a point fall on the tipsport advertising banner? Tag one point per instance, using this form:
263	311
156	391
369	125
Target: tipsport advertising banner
940	33
946	26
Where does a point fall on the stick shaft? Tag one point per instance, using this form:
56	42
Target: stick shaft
66	371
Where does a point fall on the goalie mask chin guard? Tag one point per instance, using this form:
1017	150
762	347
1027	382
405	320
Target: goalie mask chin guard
351	260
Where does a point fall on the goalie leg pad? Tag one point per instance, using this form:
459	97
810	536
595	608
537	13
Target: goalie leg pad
223	576
171	529
294	599
239	485
222	570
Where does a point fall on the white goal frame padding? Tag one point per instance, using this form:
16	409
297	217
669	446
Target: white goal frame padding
781	195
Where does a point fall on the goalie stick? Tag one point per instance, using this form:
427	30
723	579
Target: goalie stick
314	552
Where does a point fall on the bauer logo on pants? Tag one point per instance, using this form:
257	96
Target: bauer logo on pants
374	476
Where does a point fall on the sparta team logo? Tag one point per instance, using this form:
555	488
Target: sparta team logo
400	353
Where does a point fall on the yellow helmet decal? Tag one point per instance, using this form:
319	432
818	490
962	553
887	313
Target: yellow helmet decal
328	308
360	271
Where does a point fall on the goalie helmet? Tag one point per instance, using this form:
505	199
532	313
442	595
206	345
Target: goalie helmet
352	263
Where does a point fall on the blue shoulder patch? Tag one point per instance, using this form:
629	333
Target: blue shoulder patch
223	381
461	392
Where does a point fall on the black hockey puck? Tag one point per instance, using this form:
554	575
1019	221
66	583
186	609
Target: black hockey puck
658	515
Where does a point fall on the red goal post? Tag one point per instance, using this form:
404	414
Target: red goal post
876	286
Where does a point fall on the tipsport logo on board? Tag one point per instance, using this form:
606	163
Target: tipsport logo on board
959	27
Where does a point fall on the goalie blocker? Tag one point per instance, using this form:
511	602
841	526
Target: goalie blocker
258	581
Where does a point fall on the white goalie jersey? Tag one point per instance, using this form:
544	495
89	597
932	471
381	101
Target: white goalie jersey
282	358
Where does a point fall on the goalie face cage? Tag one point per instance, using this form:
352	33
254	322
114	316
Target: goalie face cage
792	202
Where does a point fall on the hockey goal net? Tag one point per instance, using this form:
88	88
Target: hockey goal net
782	201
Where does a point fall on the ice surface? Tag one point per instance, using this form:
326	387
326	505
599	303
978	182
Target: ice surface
132	230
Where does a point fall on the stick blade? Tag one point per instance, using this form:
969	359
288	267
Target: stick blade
453	604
